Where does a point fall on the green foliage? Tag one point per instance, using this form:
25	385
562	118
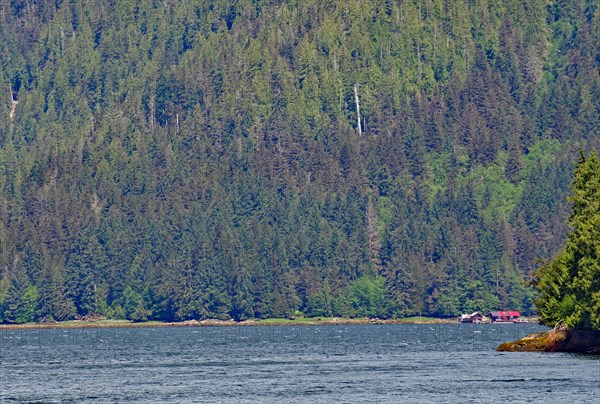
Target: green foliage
21	300
322	303
569	285
448	305
53	303
131	302
191	160
82	271
365	297
496	195
4	285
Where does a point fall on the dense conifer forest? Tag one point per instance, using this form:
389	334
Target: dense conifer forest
248	159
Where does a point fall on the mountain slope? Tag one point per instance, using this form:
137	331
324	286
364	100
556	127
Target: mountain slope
208	160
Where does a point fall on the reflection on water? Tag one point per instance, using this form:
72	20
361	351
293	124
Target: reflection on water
359	363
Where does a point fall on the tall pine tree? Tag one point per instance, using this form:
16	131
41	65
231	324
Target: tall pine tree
569	285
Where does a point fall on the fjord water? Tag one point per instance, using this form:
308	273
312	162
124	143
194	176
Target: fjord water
442	363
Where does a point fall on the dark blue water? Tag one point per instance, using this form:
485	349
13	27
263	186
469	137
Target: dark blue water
309	364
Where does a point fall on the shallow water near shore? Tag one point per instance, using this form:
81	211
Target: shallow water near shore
442	363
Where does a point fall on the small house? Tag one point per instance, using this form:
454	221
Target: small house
475	317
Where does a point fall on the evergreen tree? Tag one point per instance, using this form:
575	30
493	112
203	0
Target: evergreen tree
84	267
53	302
21	299
569	285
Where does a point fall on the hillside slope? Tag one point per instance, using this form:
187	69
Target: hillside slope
174	161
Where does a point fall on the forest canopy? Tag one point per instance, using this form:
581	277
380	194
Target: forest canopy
209	159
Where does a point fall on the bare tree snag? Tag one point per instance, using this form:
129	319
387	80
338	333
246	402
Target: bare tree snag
357	110
13	106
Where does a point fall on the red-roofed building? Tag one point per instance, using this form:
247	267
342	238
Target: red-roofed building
504	316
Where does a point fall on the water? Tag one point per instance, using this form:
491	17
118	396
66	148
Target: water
444	363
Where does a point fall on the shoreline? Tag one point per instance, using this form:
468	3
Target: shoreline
280	322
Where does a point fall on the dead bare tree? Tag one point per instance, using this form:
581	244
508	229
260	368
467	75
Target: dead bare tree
357	110
13	106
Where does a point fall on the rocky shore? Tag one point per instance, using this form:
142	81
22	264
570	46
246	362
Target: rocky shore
556	340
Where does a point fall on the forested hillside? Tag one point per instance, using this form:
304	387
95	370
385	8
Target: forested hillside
170	160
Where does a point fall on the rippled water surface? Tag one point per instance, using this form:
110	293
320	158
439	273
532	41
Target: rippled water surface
305	364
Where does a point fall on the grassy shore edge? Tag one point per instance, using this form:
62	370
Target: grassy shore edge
224	323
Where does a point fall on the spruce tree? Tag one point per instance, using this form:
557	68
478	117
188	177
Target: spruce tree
20	303
569	285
